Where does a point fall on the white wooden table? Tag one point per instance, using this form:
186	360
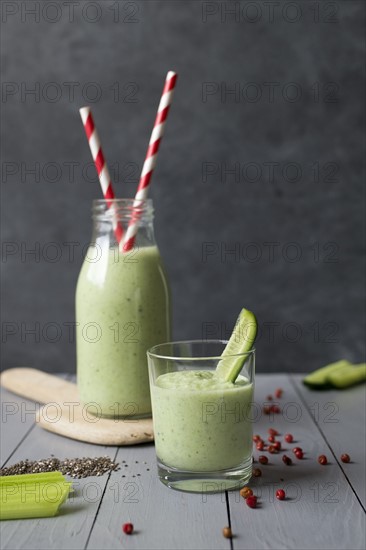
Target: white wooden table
325	507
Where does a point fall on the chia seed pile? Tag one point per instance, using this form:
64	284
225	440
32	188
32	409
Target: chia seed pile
74	467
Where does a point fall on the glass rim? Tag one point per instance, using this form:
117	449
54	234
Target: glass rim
124	200
151	353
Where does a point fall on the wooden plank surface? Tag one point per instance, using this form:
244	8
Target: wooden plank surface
321	504
321	511
164	518
340	416
17	419
141	499
71	528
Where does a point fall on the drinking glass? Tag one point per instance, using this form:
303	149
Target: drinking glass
202	425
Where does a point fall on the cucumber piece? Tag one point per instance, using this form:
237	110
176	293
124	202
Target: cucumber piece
319	377
343	378
241	342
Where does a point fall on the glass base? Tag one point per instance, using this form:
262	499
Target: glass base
206	482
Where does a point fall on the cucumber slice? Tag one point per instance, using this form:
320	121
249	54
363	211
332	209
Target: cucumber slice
319	378
348	376
241	341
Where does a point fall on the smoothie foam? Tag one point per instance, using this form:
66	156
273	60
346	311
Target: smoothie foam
201	423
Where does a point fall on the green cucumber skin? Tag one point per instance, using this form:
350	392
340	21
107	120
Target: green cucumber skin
319	378
348	377
236	368
235	371
339	375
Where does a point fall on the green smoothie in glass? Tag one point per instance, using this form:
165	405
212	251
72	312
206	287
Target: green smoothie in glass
202	424
122	309
202	395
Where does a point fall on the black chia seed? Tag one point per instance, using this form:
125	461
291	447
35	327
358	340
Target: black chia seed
74	467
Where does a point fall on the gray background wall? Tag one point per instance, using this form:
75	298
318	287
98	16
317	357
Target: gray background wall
299	77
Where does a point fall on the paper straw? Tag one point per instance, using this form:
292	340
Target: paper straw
101	166
151	157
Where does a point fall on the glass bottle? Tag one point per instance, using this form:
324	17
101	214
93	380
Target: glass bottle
122	309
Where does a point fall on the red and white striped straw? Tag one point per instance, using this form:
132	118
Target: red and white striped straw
151	156
100	165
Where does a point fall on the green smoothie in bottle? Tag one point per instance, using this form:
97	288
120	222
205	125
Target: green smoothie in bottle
122	309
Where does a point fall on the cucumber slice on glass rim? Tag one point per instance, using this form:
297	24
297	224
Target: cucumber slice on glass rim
240	343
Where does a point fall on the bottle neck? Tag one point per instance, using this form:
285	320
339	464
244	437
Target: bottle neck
111	220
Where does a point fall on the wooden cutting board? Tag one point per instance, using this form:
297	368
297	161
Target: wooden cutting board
63	413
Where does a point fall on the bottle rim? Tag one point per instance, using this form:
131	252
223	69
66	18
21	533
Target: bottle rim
122	209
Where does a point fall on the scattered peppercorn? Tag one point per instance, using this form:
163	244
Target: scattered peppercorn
246	492
266	410
256	438
299	454
278	393
260	445
289	438
257	472
322	459
277	445
269	398
275	409
345	458
227	533
280	494
127	528
287	460
295	449
251	501
272	431
263	459
271	438
272	449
